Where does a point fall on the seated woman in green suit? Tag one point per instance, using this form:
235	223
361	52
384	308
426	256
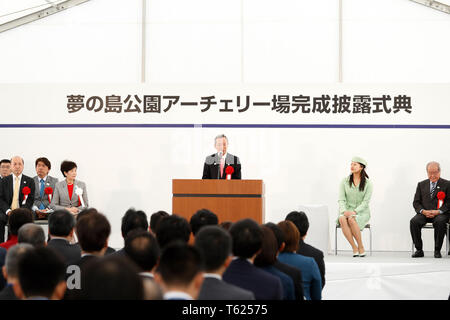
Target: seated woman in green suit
355	192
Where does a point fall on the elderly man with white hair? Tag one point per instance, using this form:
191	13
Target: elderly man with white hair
432	204
16	191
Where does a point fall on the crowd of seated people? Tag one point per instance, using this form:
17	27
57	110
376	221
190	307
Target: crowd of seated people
164	257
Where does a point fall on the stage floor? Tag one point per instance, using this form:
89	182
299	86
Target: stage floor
386	276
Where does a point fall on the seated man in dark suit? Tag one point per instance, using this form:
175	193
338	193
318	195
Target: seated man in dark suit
180	271
142	248
216	165
247	241
301	222
16	191
93	232
111	278
10	270
215	244
429	208
154	220
34	284
132	220
61	225
294	273
109	250
172	228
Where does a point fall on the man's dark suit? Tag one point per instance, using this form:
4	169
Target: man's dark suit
8	293
309	251
6	196
215	289
211	168
245	275
423	201
77	294
70	252
296	276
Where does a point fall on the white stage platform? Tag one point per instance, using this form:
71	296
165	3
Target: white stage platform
386	276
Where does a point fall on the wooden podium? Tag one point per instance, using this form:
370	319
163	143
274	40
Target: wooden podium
230	200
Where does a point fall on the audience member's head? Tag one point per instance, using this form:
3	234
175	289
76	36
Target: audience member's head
41	274
172	228
269	249
11	269
215	245
33	234
142	248
291	235
19	217
247	238
113	277
226	225
85	212
5	168
202	218
61	223
300	220
133	220
180	269
155	218
93	231
278	235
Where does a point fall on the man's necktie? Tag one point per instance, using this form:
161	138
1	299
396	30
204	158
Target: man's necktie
15	200
41	206
433	187
222	164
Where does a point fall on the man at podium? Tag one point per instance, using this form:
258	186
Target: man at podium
222	165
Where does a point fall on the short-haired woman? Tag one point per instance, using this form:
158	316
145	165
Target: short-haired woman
70	194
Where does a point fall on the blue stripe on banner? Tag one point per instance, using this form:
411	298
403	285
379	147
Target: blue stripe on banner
226	125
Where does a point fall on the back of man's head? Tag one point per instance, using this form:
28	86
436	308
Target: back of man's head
19	217
202	218
133	220
142	248
180	263
111	278
172	228
247	238
300	220
155	218
41	271
33	234
215	245
13	257
93	231
60	223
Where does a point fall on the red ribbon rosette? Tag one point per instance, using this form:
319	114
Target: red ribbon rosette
25	191
441	196
229	171
49	191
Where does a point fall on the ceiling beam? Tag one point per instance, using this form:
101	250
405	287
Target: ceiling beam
435	5
55	8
